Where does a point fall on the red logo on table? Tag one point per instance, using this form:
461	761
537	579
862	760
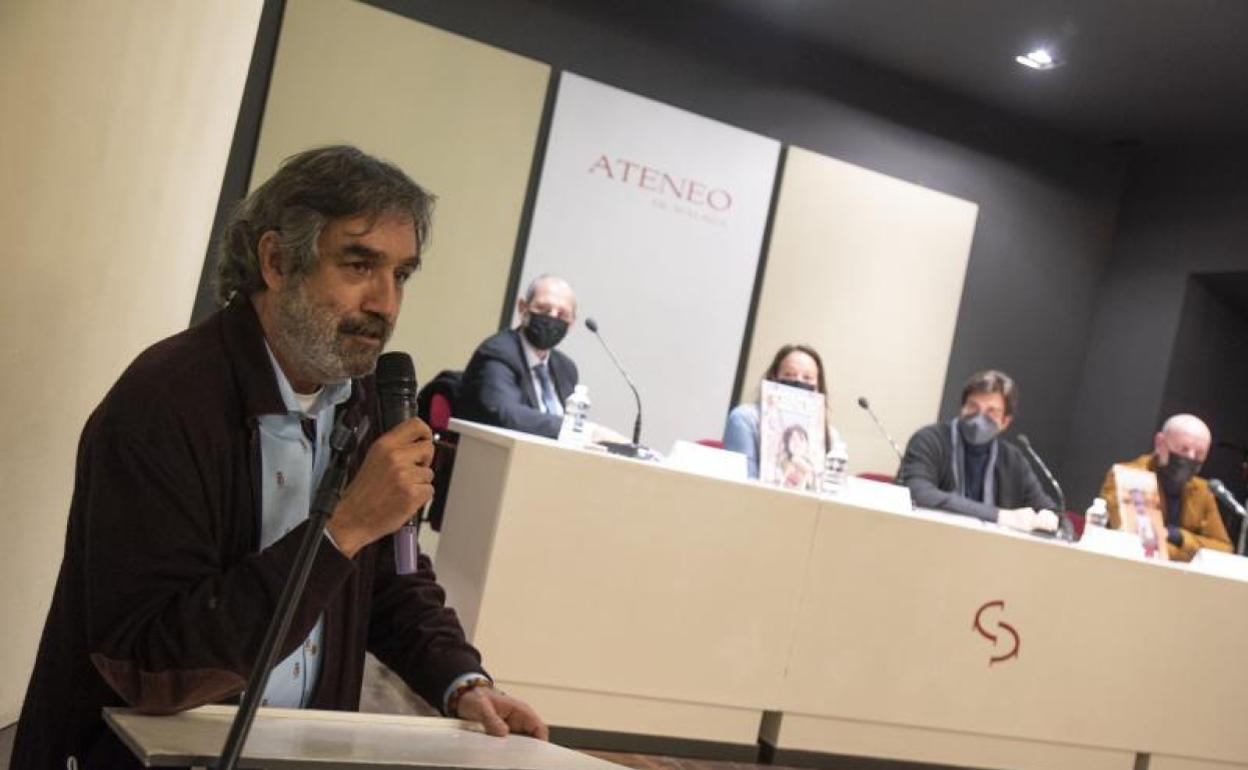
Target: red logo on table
1007	636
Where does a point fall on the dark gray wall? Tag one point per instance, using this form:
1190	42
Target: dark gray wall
1184	213
1048	202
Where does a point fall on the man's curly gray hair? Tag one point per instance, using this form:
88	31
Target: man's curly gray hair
308	190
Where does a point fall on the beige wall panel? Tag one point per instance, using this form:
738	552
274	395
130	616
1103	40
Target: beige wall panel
460	117
868	269
118	119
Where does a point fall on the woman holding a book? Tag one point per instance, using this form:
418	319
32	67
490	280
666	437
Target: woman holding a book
797	366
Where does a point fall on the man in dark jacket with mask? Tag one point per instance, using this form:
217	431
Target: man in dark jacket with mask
516	379
1191	513
963	467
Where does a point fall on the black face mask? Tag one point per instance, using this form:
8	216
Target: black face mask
796	384
544	331
1177	471
978	429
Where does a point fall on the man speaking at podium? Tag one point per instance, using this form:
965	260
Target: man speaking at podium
195	473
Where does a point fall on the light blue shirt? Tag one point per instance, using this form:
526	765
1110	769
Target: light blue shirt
741	435
291	467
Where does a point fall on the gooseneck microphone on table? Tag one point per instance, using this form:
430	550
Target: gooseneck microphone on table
1048	474
343	442
592	325
1065	531
1224	494
396	389
866	405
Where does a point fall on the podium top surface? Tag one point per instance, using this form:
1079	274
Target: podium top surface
293	738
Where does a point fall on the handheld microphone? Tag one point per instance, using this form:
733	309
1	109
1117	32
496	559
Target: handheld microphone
396	389
866	405
592	325
1048	474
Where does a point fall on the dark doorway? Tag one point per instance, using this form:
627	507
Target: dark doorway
1208	375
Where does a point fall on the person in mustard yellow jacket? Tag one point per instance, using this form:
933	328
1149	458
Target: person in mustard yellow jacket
1192	518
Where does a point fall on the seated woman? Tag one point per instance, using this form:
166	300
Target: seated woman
798	366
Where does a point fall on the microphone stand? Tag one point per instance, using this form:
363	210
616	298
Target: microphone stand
343	442
1224	495
866	405
628	450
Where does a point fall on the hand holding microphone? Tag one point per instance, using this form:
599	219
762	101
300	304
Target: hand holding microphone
395	480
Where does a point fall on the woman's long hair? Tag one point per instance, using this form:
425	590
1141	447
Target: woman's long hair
773	373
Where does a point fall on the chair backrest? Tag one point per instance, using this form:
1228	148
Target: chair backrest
1076	522
436	405
871	476
439	412
714	443
443	388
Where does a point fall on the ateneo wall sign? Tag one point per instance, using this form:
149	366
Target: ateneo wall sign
656	217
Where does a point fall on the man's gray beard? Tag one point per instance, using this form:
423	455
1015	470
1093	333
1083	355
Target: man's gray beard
309	335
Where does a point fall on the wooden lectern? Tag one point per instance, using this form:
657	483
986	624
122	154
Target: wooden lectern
294	739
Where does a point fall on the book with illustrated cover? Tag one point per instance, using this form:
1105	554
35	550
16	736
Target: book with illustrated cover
1139	509
791	436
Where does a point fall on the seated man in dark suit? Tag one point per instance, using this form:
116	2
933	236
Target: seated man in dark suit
516	379
962	466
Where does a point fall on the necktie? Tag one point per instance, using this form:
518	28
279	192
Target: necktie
548	391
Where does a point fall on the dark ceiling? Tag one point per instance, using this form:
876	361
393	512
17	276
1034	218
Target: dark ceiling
1156	72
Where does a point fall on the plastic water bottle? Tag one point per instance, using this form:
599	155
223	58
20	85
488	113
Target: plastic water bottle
575	428
835	464
1097	514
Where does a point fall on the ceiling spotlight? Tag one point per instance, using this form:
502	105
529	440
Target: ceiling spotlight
1039	59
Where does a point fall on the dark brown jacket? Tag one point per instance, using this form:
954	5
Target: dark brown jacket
162	598
1199	520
